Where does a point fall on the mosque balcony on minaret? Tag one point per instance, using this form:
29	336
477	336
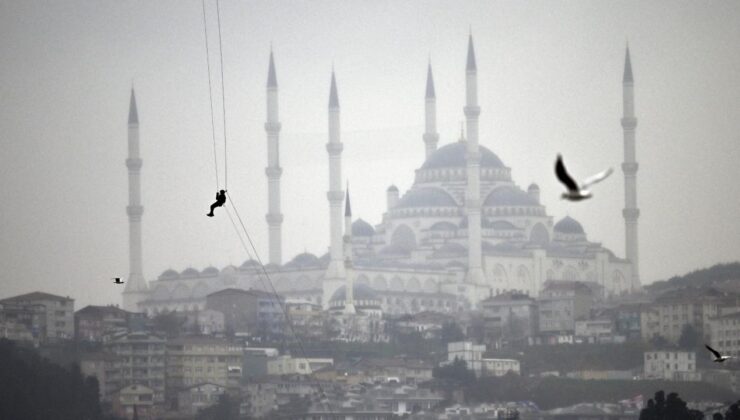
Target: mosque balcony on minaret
629	123
134	164
334	148
274	218
631	214
471	110
335	195
134	212
273	171
630	168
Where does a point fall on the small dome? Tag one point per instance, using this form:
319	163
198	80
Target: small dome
568	225
362	228
210	271
249	264
533	187
392	188
169	274
189	273
305	259
453	156
360	292
509	196
427	197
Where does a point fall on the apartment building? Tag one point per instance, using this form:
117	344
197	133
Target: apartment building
142	357
49	317
671	365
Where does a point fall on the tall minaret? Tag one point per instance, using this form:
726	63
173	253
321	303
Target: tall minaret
472	193
631	213
349	304
136	288
273	170
335	273
431	137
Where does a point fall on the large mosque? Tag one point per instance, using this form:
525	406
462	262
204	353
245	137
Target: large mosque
464	231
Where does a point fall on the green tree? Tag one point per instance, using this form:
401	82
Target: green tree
689	339
451	332
226	408
669	408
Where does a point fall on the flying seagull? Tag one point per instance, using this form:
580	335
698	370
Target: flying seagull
117	280
718	358
575	192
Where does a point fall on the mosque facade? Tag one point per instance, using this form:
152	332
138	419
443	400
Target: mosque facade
462	232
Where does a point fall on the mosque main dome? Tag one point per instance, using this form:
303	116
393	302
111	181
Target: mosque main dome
453	156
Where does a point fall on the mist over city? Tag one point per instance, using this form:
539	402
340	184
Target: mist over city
226	209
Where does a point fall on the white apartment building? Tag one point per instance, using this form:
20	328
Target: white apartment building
671	365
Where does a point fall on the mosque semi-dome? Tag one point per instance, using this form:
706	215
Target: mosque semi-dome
361	293
305	259
427	197
453	156
569	225
362	228
189	273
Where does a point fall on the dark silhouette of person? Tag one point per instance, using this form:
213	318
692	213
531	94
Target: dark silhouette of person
220	201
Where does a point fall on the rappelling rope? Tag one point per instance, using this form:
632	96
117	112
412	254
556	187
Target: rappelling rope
223	95
210	94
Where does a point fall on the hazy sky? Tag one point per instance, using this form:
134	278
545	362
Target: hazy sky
549	81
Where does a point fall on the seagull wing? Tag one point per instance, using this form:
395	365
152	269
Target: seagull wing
563	175
715	352
596	178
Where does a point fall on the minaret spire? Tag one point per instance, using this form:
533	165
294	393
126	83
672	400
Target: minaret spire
136	288
472	194
631	212
431	137
335	273
273	171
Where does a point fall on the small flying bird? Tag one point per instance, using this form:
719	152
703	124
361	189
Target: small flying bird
718	358
117	280
575	192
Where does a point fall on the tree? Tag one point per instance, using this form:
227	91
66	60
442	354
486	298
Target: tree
689	339
225	409
456	372
733	413
451	332
670	408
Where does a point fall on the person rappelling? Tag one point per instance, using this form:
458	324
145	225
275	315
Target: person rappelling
220	201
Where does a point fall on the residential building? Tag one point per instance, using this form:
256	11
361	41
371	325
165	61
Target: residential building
499	367
670	312
50	317
197	360
468	352
132	399
510	317
671	365
561	303
627	321
106	367
595	330
197	397
251	311
724	332
142	361
92	322
306	318
288	365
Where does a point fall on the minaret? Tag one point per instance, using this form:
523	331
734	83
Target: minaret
273	170
349	301
335	274
431	137
631	213
473	156
136	288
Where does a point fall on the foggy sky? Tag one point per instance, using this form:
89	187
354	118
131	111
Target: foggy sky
549	80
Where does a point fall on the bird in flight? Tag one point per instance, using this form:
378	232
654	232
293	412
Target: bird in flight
117	280
576	192
718	358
